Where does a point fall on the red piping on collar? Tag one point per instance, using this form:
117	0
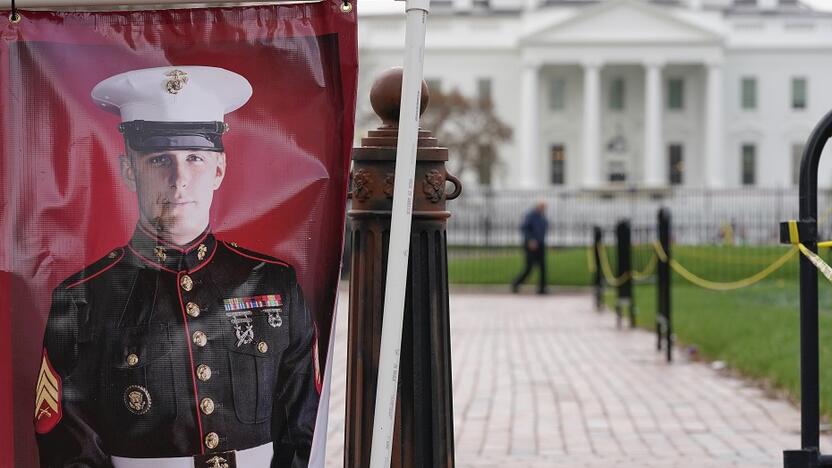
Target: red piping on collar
84	280
158	239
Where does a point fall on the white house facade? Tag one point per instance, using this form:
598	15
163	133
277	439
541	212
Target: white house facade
630	93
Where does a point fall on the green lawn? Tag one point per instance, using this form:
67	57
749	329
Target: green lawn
755	330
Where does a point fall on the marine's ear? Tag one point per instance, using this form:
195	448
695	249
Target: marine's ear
220	174
128	171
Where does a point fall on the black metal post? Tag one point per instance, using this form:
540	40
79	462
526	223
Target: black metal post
664	328
625	289
809	455
598	280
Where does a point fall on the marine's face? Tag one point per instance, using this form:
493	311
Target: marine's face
174	189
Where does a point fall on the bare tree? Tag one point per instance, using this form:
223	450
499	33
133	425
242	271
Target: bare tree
470	129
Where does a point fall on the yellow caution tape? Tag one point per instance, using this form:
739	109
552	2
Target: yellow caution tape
648	270
590	261
660	251
726	286
822	266
616	281
610	278
794	234
817	261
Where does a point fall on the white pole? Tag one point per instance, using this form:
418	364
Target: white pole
391	330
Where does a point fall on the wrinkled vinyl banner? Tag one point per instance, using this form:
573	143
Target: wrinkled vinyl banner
172	188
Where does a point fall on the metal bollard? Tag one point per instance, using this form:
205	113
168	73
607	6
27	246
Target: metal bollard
423	436
598	280
806	229
664	328
625	267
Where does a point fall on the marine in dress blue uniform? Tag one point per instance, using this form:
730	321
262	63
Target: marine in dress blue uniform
177	349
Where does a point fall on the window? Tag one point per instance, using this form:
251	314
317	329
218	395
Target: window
749	156
749	93
617	94
675	94
484	91
557	93
558	159
677	164
799	93
617	171
797	155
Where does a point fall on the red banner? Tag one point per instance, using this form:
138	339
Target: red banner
172	197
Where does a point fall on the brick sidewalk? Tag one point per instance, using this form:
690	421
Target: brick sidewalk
547	382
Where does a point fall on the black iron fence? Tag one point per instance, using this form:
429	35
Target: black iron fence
727	233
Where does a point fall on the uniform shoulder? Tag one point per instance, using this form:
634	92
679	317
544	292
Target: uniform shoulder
94	269
243	252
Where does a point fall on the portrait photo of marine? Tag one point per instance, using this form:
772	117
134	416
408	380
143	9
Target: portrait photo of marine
177	349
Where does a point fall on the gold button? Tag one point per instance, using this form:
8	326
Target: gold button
192	310
203	372
262	347
212	440
112	254
207	405
186	282
200	339
132	360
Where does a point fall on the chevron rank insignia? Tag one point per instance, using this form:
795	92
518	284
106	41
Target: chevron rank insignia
48	400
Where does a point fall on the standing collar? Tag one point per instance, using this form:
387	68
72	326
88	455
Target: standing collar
160	253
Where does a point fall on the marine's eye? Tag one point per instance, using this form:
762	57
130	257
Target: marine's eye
193	157
159	160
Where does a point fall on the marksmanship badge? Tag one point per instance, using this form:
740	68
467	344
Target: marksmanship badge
241	319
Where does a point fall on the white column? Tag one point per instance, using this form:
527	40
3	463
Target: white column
714	138
530	126
591	160
655	166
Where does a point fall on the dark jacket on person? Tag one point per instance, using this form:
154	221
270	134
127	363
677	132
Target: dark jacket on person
534	226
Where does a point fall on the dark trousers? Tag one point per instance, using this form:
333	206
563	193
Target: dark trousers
534	258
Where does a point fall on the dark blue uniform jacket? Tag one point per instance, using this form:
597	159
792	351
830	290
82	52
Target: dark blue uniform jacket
138	342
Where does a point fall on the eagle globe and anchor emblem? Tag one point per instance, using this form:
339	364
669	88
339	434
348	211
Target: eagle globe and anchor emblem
217	462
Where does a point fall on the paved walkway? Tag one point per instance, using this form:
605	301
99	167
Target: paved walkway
547	382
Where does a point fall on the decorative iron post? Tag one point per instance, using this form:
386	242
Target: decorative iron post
423	436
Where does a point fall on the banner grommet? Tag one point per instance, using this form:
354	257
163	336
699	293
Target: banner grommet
346	7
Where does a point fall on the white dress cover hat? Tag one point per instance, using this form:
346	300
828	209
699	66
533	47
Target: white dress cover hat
176	107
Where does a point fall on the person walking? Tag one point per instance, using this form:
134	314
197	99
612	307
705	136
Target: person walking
534	229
